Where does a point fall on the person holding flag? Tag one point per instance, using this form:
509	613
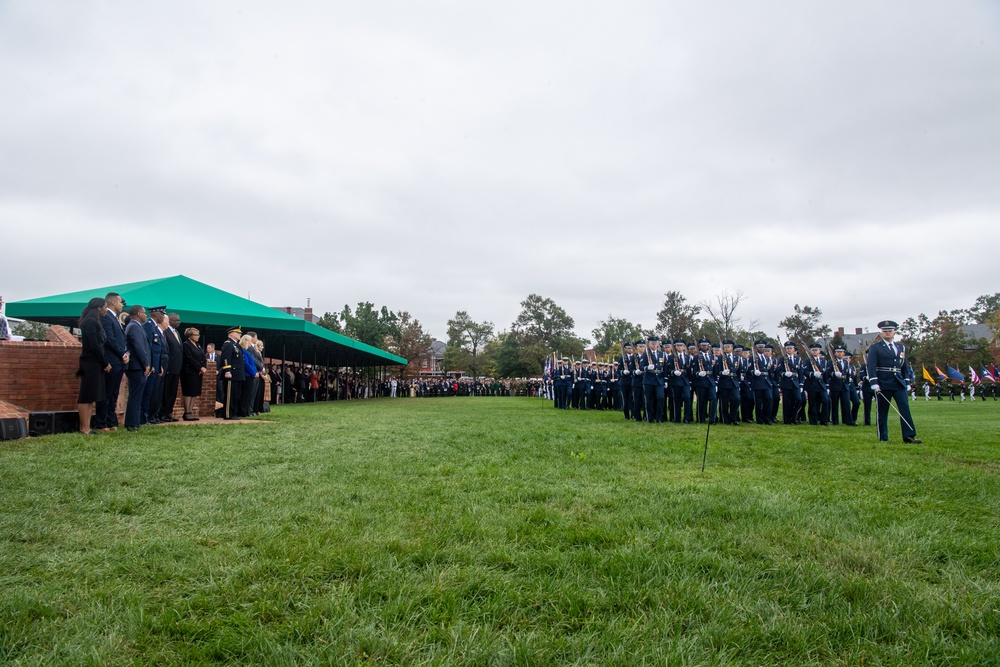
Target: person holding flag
888	375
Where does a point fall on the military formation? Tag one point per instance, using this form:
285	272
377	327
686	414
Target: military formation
657	380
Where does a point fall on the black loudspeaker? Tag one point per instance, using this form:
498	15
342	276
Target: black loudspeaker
13	428
51	423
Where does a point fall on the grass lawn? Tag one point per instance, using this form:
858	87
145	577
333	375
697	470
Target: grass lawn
482	531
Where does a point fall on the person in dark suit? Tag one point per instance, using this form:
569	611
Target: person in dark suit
93	364
139	367
192	370
233	374
159	355
116	354
175	361
702	380
889	376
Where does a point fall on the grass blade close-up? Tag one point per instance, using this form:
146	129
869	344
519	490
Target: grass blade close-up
499	531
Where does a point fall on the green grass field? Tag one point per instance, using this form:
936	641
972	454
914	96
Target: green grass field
481	531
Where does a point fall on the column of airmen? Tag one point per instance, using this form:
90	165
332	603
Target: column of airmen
656	380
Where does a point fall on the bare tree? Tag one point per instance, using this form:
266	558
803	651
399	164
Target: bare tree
722	313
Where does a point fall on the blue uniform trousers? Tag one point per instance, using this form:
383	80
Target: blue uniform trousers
902	404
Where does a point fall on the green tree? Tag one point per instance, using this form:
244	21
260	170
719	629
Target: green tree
408	340
677	317
467	340
331	321
543	327
985	308
368	325
805	325
612	332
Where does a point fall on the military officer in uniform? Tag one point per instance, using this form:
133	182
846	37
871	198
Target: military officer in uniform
701	379
233	374
678	365
584	378
652	380
815	385
638	397
626	365
760	370
727	372
840	400
790	371
888	375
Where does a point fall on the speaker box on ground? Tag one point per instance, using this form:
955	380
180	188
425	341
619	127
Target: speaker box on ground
13	428
51	423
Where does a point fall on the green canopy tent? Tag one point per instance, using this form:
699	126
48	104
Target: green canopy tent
213	311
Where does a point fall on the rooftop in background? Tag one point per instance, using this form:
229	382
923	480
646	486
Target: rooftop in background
301	313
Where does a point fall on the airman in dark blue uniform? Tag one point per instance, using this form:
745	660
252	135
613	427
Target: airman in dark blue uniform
760	382
652	380
888	374
816	377
678	367
790	372
626	366
727	372
840	400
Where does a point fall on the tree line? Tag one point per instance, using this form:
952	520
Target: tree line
542	328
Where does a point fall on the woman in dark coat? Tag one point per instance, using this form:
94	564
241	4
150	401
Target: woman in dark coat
93	365
191	371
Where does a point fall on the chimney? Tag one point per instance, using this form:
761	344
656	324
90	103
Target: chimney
840	331
288	310
308	314
857	331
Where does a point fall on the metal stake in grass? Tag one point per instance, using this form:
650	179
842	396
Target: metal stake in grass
704	457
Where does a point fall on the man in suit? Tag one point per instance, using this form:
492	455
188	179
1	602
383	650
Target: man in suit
889	376
233	374
139	366
117	355
158	355
175	360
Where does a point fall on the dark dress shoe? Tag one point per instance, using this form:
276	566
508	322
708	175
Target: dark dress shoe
132	428
188	417
913	441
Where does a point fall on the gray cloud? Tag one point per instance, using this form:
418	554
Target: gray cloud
437	157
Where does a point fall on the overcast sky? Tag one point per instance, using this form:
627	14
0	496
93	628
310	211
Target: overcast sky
445	156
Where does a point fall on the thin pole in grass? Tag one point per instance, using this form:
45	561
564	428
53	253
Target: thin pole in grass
704	457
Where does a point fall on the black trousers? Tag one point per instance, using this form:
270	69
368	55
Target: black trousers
170	382
232	392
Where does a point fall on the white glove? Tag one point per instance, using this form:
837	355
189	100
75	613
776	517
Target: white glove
702	374
756	373
789	374
875	388
677	373
817	374
625	372
725	371
562	377
838	374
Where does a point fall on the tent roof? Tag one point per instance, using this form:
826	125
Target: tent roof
213	311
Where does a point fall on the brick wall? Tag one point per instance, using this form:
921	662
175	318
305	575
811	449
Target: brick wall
38	376
41	376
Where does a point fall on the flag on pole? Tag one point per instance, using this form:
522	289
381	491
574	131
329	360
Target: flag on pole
994	373
941	376
927	376
973	378
955	375
986	375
